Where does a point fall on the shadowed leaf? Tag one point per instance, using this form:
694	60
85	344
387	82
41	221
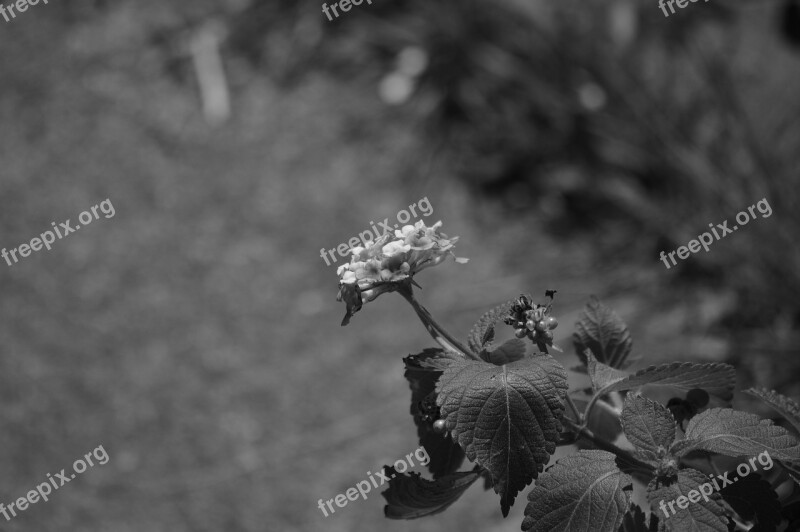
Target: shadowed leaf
754	500
422	372
717	379
636	521
410	496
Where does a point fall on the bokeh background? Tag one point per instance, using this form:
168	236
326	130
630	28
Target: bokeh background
195	335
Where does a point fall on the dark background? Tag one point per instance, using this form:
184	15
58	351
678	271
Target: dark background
195	335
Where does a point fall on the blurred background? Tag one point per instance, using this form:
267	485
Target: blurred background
195	335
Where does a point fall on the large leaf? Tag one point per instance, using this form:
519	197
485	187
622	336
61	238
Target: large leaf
507	418
703	515
604	333
422	372
785	406
585	491
734	433
717	379
482	333
649	426
410	496
754	500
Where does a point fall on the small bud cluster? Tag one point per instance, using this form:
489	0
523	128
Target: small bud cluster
532	320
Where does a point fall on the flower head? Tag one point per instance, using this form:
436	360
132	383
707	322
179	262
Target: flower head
381	265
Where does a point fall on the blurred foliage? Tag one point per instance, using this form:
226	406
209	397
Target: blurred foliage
607	120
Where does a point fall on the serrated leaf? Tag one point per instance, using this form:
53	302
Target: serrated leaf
585	491
422	372
507	418
482	333
733	433
604	333
754	500
785	406
701	516
715	378
410	496
636	521
601	374
649	426
510	351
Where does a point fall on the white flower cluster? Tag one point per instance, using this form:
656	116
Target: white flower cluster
394	258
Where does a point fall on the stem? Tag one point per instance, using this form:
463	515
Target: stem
589	408
624	455
438	332
578	416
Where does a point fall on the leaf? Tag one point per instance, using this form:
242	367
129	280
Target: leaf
734	433
636	521
507	418
715	378
482	333
422	372
785	406
754	500
700	516
510	351
585	491
604	333
601	374
649	426
432	359
410	496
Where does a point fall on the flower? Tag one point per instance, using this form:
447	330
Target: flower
381	265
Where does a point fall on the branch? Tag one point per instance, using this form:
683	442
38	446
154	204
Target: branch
571	404
438	332
622	454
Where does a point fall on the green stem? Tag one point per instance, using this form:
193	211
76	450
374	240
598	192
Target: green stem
434	329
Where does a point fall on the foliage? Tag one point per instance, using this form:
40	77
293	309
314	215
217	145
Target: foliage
503	409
